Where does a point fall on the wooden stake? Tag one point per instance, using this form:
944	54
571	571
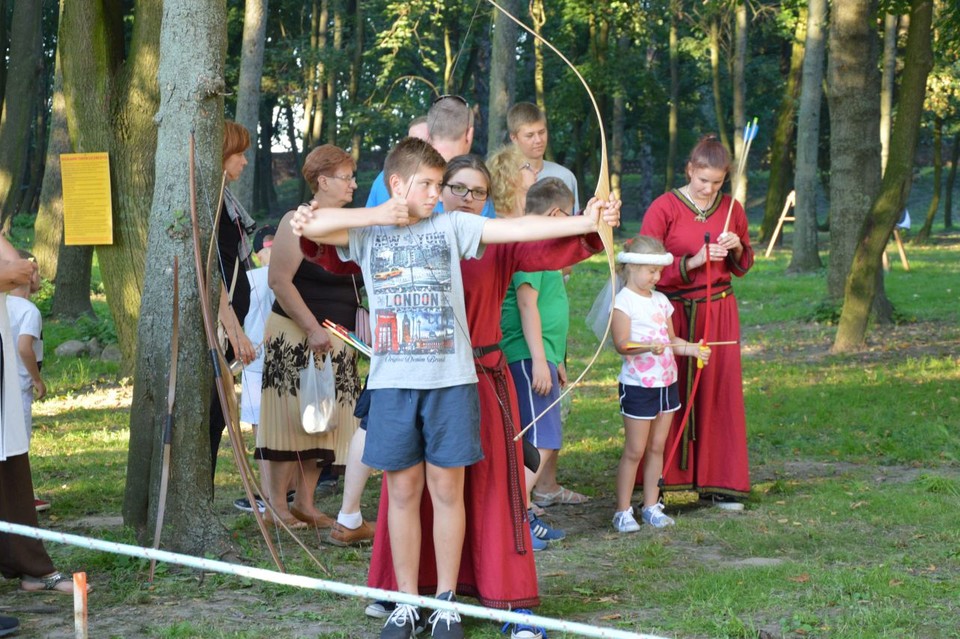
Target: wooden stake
80	604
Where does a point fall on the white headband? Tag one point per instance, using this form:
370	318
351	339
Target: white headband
654	259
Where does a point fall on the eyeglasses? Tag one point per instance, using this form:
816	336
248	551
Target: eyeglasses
461	191
345	178
458	98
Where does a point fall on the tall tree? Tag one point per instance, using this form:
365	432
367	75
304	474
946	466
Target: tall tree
503	72
111	96
248	90
805	256
781	156
714	31
740	94
26	56
951	182
71	298
885	210
673	117
923	235
854	89
887	80
191	54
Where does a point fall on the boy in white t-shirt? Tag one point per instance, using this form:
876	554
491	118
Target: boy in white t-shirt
26	325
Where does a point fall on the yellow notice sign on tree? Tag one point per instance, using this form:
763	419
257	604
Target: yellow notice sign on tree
87	207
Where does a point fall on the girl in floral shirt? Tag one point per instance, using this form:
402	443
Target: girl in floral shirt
643	335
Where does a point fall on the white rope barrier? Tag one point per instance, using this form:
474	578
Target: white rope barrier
299	581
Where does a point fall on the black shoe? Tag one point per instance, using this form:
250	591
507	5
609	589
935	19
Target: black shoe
445	624
403	623
8	626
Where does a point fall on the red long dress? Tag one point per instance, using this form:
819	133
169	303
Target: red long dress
496	566
713	455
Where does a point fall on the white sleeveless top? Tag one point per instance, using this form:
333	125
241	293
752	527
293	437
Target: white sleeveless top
14	439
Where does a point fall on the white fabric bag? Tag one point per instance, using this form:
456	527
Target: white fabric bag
318	397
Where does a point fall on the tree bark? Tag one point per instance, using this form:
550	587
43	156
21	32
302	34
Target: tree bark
23	73
538	17
951	181
672	117
71	297
923	235
887	82
356	70
264	193
885	210
503	71
805	256
248	90
781	152
191	54
854	131
715	75
333	73
111	102
740	97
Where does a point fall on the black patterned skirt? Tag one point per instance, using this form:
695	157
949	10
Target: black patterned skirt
280	436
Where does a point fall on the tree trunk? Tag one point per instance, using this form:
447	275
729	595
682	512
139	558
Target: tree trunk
111	103
668	174
781	152
25	61
4	45
854	131
951	180
618	128
923	235
503	71
740	97
333	73
48	228
887	83
248	90
71	298
885	210
538	17
356	70
805	256
264	193
715	76
191	54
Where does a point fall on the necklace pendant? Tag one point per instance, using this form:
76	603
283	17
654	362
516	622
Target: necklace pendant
701	217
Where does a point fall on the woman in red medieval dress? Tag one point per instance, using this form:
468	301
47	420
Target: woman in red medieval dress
712	456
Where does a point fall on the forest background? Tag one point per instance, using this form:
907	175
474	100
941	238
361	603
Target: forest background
854	104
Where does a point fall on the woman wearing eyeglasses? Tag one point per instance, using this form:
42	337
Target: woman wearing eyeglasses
512	175
306	296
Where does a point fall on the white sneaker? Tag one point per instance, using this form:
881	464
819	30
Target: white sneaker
624	522
654	516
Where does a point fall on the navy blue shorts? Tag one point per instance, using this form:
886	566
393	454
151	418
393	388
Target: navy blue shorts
547	433
407	426
639	402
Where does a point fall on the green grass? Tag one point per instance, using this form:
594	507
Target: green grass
851	529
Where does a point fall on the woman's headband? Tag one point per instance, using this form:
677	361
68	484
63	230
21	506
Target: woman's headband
654	259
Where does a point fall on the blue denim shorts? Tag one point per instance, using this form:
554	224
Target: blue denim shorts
408	426
638	402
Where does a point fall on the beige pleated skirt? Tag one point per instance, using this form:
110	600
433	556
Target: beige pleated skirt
280	436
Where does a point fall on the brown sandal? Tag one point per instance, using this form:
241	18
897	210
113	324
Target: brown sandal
50	583
314	521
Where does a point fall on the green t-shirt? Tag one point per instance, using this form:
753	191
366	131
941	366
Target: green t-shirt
554	317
